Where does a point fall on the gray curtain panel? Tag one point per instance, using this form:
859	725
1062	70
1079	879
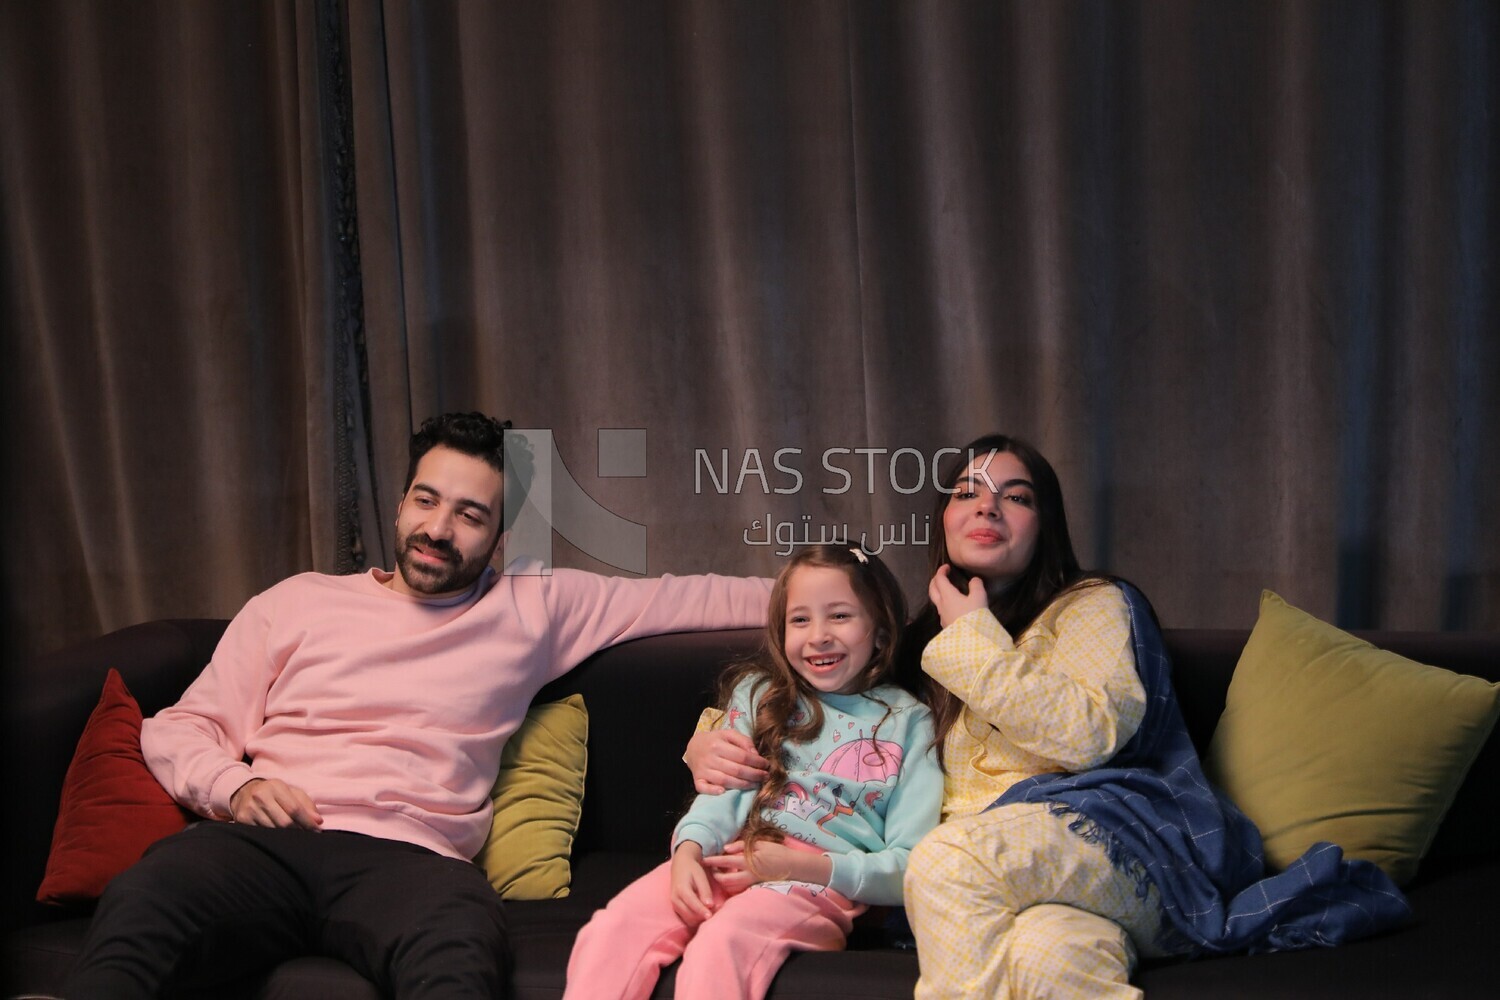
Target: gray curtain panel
171	299
751	266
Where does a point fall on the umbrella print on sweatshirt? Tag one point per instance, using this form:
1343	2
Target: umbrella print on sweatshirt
861	762
865	760
858	763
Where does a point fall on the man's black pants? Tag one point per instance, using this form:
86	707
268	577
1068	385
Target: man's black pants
221	900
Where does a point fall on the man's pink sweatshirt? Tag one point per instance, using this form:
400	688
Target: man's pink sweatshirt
391	711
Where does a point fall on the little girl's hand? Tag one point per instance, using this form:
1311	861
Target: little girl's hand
952	603
692	894
773	863
731	870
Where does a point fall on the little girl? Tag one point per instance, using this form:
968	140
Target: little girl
854	783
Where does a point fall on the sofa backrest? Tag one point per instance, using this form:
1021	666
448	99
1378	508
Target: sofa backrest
643	698
46	705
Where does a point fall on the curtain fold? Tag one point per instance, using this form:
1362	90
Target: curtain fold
170	303
1230	267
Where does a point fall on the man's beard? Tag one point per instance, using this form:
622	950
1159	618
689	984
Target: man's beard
453	575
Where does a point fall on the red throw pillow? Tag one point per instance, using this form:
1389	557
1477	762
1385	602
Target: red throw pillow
112	809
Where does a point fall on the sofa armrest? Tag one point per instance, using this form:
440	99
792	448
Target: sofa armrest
46	705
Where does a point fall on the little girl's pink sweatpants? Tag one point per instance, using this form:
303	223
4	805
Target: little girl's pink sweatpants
736	952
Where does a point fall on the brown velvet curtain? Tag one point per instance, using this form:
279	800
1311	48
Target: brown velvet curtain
1230	265
179	408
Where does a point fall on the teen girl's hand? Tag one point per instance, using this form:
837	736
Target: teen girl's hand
773	863
692	891
723	758
952	603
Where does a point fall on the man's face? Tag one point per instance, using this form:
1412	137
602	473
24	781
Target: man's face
448	524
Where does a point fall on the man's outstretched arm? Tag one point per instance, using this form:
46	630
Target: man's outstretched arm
588	612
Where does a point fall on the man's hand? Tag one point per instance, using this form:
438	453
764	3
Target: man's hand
272	802
692	892
952	603
724	758
773	863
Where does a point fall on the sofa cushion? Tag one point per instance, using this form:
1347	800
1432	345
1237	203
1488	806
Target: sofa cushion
111	809
1326	737
537	798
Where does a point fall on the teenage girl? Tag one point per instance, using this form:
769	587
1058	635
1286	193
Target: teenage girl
1080	832
853	784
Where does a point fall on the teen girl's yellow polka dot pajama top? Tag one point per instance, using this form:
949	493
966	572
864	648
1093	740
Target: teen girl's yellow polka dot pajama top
1008	902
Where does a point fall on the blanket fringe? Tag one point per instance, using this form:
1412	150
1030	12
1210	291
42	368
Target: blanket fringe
1168	938
1119	856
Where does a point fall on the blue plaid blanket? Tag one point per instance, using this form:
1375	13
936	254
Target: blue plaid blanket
1162	822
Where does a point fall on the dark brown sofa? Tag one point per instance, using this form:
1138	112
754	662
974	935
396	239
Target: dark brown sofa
642	699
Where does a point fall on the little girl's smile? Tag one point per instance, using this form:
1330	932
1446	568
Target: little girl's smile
828	630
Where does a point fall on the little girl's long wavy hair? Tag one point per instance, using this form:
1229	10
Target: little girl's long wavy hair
784	690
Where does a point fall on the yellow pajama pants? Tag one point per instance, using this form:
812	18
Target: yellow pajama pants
1011	903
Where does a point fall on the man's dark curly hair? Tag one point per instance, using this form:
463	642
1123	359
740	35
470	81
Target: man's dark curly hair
474	434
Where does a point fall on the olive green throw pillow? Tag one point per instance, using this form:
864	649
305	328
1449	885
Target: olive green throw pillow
1326	737
538	797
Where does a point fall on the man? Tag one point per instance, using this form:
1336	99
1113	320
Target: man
372	711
